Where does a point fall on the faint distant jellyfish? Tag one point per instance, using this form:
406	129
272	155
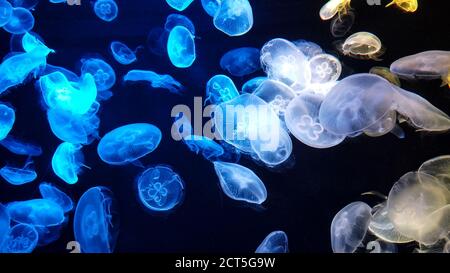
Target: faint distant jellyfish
333	7
240	183
349	227
156	80
174	20
210	149
234	17
157	41
104	75
96	221
308	48
5	12
275	242
181	47
179	5
342	24
67	162
251	85
4	224
22	238
276	94
19	176
107	10
438	167
381	226
385	73
21	21
160	188
241	61
51	192
122	53
220	88
405	5
362	45
128	143
7	119
324	68
211	6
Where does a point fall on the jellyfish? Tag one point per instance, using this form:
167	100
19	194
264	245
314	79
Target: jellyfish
324	68
74	97
275	242
21	147
405	5
67	162
283	61
5	12
71	76
107	10
4	224
160	188
21	238
308	48
211	6
362	45
19	176
302	120
210	149
251	85
179	5
349	227
27	4
419	207
96	221
174	20
234	17
181	47
128	143
36	212
276	94
379	246
32	41
51	192
242	61
7	119
385	73
220	88
104	75
333	7
21	21
122	53
157	41
438	167
342	24
156	80
240	183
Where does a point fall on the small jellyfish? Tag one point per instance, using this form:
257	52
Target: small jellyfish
324	68
20	147
333	7
21	21
210	149
349	227
405	5
160	188
96	221
308	48
122	53
5	12
362	45
179	5
51	192
220	88
240	183
156	80
128	143
251	85
276	94
211	6
21	238
174	20
7	119
181	47
19	176
5	222
234	17
342	24
275	242
67	162
107	10
438	167
242	61
104	75
385	73
36	212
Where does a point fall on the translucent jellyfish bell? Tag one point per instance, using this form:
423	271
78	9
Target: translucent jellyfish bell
275	242
251	85
107	10
51	192
211	6
385	73
122	53
240	183
104	75
174	20
333	7
21	238
27	4
276	94
19	176
156	80
349	227
362	45
5	12
438	167
342	24
67	162
274	151
160	188
128	143
234	17
181	47
21	21
179	5
324	68
220	88
36	212
241	61
7	119
210	149
96	222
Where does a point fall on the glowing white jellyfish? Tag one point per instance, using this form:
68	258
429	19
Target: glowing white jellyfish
324	68
276	94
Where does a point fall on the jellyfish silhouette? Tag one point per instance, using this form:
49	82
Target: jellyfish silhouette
174	20
179	5
104	75
19	176
275	242
241	61
7	119
234	17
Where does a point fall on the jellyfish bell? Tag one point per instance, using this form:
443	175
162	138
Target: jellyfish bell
308	48
234	17
67	162
174	20
7	119
251	85
438	167
103	73
5	12
219	89
276	94
341	25
211	6
362	45
333	7
51	192
242	61
181	47
21	238
107	10
122	53
324	68
405	5
21	21
275	242
179	5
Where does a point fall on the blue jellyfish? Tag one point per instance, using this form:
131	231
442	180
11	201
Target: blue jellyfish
234	17
96	221
179	5
67	162
30	42
240	183
122	53
5	222
27	4
251	85
5	12
181	47
275	242
7	119
156	80
210	149
20	147
220	88
19	176
128	143
211	6
241	61
21	238
160	188
71	76
107	10
157	41
104	75
174	20
20	22
51	192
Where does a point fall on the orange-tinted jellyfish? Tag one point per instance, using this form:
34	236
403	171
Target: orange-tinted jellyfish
405	5
333	7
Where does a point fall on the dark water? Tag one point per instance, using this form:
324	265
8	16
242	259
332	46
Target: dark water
302	200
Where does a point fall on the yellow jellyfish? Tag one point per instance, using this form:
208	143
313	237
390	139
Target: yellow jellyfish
361	45
405	5
446	79
385	73
333	7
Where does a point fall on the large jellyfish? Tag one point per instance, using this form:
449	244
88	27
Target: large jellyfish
174	20
5	12
160	188
333	7
128	143
385	73
275	242
104	75
405	5
122	53
251	85
7	119
234	17
349	227
4	223
241	61
211	6
179	5
210	149
240	183
96	221
220	88
324	68
21	21
107	10
438	167
51	192
21	238
276	94
67	162
181	47
156	80
362	45
19	176
381	226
